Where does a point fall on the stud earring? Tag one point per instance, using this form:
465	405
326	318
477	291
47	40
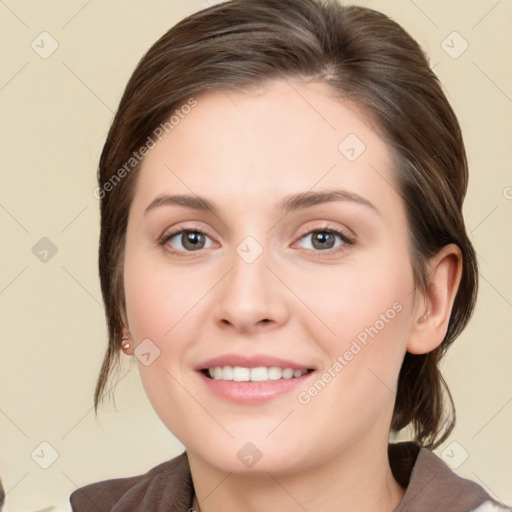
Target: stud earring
125	344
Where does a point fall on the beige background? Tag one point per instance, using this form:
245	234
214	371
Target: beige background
55	113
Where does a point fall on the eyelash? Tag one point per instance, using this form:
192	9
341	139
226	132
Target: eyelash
347	241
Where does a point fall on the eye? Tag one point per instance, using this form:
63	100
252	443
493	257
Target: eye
187	240
325	240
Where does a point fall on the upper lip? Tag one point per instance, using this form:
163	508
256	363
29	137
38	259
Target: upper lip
250	361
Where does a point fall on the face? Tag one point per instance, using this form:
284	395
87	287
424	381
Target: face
285	255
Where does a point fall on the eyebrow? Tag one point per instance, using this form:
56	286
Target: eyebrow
290	203
311	198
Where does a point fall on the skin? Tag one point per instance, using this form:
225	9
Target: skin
244	152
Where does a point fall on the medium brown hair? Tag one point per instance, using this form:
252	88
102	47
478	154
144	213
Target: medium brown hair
366	58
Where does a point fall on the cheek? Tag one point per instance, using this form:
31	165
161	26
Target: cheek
157	299
355	390
160	307
167	306
363	301
367	309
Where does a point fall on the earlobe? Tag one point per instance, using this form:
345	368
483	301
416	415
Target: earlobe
432	315
126	343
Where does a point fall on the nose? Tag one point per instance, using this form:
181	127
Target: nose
251	298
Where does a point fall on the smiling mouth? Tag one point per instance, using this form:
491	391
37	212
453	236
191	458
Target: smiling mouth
257	374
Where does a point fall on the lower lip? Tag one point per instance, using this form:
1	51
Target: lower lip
252	392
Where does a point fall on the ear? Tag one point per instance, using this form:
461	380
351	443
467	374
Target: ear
433	310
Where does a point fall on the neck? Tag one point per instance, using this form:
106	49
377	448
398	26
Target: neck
352	482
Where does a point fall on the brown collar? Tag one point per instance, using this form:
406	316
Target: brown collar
430	486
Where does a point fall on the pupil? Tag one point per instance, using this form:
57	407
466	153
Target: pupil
193	240
325	240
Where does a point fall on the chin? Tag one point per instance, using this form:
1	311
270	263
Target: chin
251	457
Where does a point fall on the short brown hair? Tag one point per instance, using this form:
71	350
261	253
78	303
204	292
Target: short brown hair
365	57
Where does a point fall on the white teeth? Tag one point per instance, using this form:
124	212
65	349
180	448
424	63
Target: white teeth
258	374
288	373
274	373
221	373
227	373
239	374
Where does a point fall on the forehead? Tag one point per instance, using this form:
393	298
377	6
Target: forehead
277	139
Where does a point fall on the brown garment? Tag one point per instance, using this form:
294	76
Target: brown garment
431	486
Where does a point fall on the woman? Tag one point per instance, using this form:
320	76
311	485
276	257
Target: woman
283	252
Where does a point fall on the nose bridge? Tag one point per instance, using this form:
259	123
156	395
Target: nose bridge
248	281
249	293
